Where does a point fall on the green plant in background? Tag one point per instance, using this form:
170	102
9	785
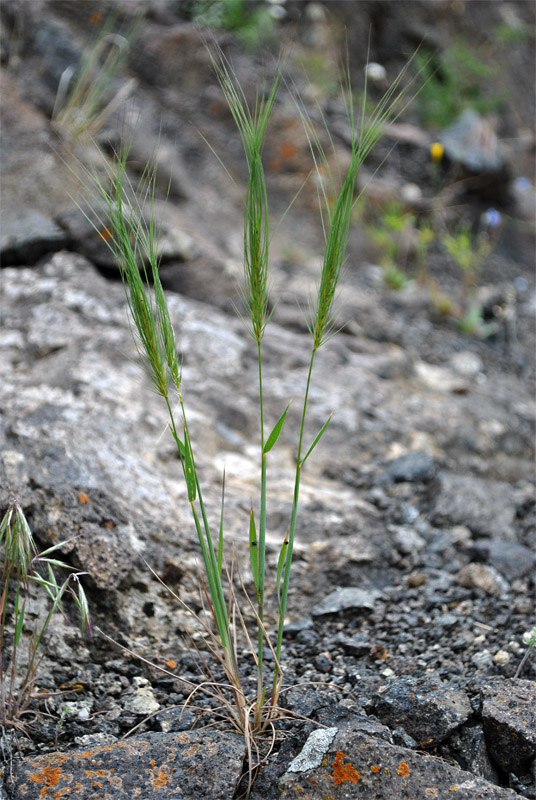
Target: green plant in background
389	233
24	568
454	80
424	240
254	24
82	107
127	213
469	251
512	34
529	640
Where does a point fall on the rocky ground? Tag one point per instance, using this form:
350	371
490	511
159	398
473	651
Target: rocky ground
413	577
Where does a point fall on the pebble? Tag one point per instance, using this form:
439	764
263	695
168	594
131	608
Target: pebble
501	658
346	598
481	576
466	363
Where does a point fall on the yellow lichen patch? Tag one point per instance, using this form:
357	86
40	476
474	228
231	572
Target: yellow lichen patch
344	772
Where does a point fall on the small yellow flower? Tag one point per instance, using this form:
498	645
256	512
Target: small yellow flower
437	151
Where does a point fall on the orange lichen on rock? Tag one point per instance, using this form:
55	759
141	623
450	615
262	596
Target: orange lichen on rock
344	772
161	780
375	768
403	769
83	497
48	775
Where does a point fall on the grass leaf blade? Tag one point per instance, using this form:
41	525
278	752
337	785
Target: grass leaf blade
274	435
316	439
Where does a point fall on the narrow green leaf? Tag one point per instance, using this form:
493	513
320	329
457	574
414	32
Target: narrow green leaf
280	568
220	538
317	439
273	437
180	445
253	549
189	468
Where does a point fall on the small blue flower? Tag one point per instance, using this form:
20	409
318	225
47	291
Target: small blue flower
492	218
522	184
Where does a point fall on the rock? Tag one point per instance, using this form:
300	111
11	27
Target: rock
87	235
28	237
313	751
471	142
347	598
142	701
481	576
201	764
411	467
441	379
407	540
357	645
509	720
510	559
468	746
428	710
299	625
466	363
355	765
486	507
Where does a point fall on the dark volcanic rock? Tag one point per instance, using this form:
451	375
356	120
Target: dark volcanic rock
28	237
200	764
510	559
428	711
468	746
354	765
346	598
486	507
509	718
411	467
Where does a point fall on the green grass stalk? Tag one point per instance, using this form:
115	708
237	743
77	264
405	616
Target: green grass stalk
128	216
23	566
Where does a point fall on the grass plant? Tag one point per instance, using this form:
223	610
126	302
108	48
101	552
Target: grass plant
127	213
85	99
24	568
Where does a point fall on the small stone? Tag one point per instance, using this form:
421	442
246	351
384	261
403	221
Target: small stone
512	560
481	576
407	541
501	658
357	645
411	193
411	467
466	363
313	751
486	507
298	625
471	142
482	659
143	700
346	598
376	72
441	379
